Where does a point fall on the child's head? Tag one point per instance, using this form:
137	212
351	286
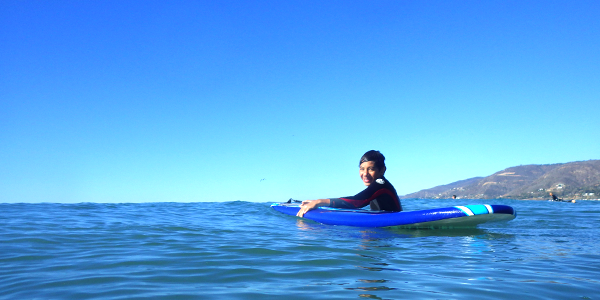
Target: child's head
372	167
374	156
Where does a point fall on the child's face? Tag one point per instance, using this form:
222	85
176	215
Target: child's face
368	172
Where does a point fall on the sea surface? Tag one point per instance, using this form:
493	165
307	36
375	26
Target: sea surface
245	250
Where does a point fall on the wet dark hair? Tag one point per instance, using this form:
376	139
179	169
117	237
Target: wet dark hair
376	157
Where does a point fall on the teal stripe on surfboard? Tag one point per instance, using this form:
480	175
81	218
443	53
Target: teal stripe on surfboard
476	209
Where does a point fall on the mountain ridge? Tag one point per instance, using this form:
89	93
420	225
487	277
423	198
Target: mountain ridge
573	180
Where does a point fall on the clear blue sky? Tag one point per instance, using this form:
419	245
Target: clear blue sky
134	101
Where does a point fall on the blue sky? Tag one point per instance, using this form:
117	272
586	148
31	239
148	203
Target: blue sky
135	101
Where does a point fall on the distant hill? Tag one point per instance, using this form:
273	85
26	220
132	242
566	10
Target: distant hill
574	180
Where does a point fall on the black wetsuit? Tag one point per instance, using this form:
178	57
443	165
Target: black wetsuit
554	198
380	194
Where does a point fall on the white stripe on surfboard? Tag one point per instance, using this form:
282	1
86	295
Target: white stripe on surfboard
489	208
466	210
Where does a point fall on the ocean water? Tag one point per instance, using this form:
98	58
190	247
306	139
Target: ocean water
244	250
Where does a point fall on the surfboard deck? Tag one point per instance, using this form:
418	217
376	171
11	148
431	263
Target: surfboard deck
447	217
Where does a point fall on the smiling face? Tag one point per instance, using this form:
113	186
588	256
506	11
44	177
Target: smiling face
368	172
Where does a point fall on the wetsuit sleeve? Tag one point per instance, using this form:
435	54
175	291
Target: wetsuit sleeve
359	200
340	203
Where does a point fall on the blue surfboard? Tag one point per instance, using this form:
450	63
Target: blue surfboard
447	217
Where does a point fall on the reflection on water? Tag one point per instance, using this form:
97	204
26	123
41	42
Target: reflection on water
438	232
387	251
395	232
371	288
370	296
303	225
